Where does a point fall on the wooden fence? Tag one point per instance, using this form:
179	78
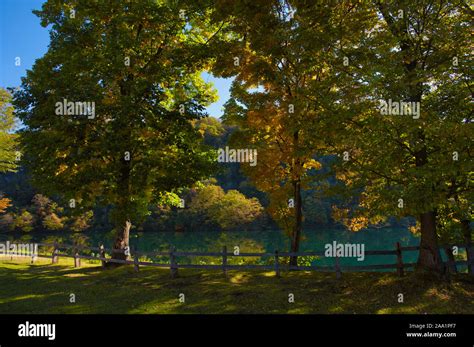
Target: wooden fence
277	266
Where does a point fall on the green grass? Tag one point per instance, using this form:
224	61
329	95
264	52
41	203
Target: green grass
46	288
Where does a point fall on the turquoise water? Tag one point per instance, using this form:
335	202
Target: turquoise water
254	241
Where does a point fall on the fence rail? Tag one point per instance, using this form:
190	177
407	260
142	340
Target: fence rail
134	259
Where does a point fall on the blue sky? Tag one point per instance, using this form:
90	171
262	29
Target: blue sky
22	36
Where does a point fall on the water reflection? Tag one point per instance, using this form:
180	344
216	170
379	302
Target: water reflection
247	241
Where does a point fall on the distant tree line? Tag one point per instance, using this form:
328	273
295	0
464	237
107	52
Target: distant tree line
228	201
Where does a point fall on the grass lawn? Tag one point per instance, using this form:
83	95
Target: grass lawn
46	288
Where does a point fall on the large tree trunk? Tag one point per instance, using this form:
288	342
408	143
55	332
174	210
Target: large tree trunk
466	229
296	233
122	213
429	257
121	243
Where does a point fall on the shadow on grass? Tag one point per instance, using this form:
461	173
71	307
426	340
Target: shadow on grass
47	289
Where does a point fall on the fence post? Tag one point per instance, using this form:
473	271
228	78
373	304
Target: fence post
173	267
34	253
451	261
77	260
54	255
277	264
102	254
135	259
399	259
470	258
337	267
224	260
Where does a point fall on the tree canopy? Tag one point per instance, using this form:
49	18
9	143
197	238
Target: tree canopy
134	68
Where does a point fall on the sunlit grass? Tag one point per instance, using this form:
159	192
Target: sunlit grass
46	288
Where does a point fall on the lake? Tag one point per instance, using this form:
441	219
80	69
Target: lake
252	241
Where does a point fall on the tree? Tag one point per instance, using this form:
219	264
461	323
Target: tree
205	198
47	213
6	221
53	222
211	205
132	71
210	127
8	154
23	221
4	204
81	222
282	88
235	209
42	206
409	164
